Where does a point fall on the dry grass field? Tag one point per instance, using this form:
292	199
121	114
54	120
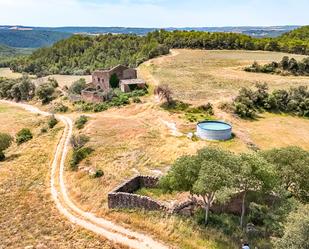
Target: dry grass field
201	75
7	73
28	217
63	80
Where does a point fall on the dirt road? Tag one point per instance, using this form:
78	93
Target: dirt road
71	211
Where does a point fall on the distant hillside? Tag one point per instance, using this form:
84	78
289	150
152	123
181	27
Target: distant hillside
300	33
255	31
6	51
30	38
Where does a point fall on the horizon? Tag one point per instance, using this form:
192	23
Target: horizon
153	13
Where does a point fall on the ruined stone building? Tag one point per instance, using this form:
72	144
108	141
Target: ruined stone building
118	77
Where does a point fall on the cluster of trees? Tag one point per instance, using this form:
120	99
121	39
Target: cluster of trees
213	175
294	101
285	67
82	54
20	90
24	90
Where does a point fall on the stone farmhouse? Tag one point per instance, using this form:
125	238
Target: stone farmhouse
103	81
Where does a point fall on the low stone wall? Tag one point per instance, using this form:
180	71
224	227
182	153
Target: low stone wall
91	96
123	197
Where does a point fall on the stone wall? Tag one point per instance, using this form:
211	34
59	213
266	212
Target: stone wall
91	96
123	197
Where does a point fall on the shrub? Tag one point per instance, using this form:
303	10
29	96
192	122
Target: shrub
60	107
23	136
81	121
5	142
78	86
100	107
136	100
98	173
78	156
52	122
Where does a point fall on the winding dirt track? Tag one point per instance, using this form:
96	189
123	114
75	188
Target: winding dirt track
89	221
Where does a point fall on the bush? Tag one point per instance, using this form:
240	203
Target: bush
60	107
78	86
136	100
98	173
78	156
81	121
52	122
23	136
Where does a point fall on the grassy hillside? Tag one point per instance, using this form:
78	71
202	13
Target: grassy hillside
82	54
30	38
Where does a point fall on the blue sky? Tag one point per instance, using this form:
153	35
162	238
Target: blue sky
154	13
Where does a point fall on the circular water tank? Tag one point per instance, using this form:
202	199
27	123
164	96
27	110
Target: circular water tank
214	130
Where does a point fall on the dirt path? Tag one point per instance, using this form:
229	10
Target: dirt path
89	221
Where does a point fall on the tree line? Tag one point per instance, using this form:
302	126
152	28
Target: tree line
249	102
286	66
81	54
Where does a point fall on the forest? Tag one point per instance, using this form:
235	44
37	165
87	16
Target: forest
81	54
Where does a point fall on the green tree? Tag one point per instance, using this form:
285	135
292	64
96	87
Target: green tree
296	230
292	166
253	173
23	90
5	142
213	178
45	92
205	175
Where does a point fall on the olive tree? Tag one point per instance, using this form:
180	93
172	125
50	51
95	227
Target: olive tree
292	166
253	173
204	175
5	142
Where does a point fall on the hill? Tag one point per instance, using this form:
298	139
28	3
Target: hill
30	38
6	51
300	33
82	54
